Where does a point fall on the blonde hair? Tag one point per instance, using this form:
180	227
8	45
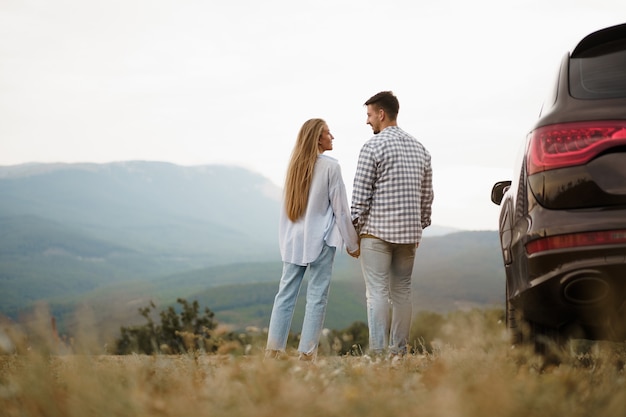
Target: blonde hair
300	170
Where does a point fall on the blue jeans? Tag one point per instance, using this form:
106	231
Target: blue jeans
316	300
387	269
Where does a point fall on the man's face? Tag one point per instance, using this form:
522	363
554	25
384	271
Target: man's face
374	117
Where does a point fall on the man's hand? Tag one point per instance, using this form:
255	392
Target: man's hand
354	254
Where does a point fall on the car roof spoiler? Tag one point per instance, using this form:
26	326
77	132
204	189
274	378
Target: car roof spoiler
611	38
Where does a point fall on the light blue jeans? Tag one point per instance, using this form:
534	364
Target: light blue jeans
316	300
387	269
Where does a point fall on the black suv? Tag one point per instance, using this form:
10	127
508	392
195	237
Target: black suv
563	217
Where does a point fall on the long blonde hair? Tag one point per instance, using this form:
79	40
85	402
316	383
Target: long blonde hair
300	170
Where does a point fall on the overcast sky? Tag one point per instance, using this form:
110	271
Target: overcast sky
199	82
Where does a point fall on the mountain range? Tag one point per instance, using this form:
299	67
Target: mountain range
111	237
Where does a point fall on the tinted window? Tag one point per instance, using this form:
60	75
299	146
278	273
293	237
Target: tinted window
599	76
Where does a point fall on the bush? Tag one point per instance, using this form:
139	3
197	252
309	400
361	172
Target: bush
176	333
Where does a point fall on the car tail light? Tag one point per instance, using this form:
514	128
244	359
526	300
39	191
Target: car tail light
570	144
606	237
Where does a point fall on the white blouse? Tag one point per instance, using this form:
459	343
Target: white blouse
327	218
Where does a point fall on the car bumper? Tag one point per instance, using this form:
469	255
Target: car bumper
585	291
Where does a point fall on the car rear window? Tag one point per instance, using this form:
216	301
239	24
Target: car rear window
599	74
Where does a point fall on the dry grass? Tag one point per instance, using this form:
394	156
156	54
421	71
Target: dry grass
478	374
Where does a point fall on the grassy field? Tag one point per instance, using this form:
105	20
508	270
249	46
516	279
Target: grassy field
471	371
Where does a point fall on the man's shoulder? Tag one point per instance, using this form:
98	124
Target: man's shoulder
397	132
389	135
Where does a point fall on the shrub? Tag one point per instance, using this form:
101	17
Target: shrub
176	333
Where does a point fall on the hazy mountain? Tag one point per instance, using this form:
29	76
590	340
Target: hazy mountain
203	215
118	235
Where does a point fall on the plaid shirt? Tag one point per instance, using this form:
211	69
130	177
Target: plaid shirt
393	190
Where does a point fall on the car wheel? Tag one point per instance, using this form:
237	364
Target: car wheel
522	332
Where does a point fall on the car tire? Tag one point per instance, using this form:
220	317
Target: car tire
522	332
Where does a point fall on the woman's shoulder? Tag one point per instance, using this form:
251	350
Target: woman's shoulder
325	159
329	165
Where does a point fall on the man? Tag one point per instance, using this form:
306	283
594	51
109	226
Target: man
391	205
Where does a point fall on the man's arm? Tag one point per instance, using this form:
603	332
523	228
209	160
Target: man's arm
363	188
427	195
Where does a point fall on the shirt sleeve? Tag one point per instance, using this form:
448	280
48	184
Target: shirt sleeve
427	195
363	187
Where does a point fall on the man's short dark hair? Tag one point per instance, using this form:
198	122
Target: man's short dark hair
386	101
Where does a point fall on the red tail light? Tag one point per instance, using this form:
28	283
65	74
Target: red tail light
607	237
571	144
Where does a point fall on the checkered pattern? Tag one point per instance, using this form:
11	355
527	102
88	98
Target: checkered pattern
393	191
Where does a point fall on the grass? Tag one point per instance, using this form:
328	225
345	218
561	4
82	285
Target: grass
471	370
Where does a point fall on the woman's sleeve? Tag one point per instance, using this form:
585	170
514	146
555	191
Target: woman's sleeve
339	202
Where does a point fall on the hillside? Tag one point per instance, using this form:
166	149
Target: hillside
458	271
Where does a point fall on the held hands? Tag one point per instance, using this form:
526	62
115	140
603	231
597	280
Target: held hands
357	252
354	254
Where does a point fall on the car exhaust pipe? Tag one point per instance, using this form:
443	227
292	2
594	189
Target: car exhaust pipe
585	287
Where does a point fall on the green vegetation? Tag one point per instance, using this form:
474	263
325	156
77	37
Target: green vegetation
175	333
251	304
185	330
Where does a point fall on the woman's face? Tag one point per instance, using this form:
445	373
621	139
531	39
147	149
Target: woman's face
325	142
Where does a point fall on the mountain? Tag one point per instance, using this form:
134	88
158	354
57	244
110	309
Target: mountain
201	215
114	236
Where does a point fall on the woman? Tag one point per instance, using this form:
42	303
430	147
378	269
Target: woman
315	220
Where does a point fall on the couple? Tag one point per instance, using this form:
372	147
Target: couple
391	204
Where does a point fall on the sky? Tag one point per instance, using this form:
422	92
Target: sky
205	82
